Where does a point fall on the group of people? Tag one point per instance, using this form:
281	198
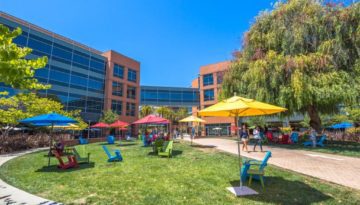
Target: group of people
244	134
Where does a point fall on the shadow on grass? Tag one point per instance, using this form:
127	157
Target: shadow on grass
281	191
203	146
174	153
54	168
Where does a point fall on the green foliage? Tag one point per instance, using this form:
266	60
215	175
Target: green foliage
146	110
24	105
165	112
109	117
303	55
256	121
354	114
15	69
181	113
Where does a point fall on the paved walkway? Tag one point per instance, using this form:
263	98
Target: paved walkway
13	195
333	168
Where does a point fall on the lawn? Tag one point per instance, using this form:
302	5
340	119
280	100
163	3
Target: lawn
192	176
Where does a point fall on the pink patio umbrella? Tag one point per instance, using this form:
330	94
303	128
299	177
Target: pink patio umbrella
152	119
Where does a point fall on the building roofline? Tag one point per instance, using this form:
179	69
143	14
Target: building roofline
170	87
43	30
121	55
227	61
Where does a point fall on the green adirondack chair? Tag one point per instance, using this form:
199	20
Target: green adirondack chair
80	159
166	149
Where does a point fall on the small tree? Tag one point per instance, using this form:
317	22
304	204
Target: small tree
109	117
23	105
15	69
146	110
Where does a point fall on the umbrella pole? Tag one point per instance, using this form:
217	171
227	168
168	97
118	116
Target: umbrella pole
239	155
51	133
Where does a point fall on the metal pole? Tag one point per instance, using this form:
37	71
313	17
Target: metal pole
88	130
239	155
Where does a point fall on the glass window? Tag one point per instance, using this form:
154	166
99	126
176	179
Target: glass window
94	104
37	45
118	71
97	65
59	76
208	94
220	77
189	97
79	81
81	60
208	79
130	109
43	72
164	96
96	84
20	40
117	89
131	75
61	53
175	96
131	92
116	106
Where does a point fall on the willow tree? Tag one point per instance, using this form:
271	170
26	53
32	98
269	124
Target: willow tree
303	55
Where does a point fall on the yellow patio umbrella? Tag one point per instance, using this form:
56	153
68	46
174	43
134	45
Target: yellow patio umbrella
240	107
69	126
192	118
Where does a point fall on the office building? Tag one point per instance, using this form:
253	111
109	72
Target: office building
81	77
175	97
209	85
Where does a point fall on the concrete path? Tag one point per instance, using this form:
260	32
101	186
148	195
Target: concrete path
13	195
333	168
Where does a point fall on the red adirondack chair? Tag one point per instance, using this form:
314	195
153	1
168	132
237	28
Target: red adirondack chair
284	139
70	164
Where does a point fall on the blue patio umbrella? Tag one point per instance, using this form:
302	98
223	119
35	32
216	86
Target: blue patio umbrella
342	125
50	119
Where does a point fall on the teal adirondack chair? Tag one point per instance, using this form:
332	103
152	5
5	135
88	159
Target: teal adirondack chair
320	142
116	157
166	149
80	159
255	169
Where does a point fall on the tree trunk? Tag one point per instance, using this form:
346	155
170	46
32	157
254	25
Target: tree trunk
315	121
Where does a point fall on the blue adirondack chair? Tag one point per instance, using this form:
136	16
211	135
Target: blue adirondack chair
82	140
110	139
320	142
116	157
294	137
255	169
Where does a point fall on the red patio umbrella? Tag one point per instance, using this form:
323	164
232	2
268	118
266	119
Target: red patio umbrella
100	125
151	119
120	124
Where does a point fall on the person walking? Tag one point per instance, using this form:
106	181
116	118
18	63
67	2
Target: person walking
244	135
257	137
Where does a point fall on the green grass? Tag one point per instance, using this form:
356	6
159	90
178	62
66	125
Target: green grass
192	176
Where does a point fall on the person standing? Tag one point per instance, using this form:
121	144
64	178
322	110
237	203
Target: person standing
244	135
192	132
313	134
257	137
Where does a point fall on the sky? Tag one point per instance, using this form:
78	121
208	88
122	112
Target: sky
170	38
